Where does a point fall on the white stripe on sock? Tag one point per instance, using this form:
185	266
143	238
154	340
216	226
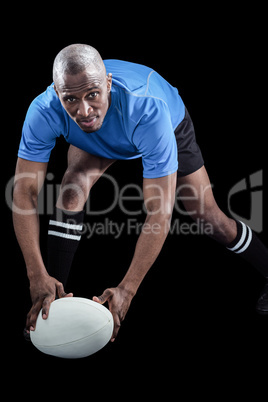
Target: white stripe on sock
247	243
65	235
66	225
244	231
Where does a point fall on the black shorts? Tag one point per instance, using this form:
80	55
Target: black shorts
189	155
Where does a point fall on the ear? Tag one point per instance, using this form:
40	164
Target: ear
55	88
109	82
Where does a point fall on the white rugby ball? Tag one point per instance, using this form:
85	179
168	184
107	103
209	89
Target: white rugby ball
76	327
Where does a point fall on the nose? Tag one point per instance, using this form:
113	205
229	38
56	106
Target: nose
84	109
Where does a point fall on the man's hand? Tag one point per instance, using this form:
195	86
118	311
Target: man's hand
43	290
119	301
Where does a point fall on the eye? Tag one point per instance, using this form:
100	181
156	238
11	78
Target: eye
93	95
70	99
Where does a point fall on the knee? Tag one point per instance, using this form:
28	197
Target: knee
219	226
206	211
74	190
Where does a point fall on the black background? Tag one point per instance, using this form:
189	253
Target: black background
192	327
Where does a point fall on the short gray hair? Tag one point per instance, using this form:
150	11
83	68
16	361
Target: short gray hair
74	59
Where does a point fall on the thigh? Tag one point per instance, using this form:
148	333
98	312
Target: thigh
82	172
198	199
91	166
195	191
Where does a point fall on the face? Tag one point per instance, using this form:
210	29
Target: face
86	97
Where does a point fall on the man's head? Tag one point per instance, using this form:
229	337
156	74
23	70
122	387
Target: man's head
82	86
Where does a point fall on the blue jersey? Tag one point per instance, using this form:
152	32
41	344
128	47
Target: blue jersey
140	122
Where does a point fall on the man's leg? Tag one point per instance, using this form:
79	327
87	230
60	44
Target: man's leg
67	220
197	196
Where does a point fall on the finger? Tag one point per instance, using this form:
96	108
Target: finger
97	299
32	316
61	292
46	306
104	297
117	325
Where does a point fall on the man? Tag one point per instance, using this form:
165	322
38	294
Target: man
108	111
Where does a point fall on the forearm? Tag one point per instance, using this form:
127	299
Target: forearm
149	245
26	227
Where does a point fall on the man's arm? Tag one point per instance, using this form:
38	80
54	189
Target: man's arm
29	179
159	197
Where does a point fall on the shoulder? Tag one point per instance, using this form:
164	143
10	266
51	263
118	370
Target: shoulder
129	76
46	110
144	90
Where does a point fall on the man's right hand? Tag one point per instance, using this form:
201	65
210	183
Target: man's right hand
43	289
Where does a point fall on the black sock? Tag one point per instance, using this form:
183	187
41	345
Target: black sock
63	240
249	246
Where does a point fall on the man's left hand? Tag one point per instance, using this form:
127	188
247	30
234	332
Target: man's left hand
119	301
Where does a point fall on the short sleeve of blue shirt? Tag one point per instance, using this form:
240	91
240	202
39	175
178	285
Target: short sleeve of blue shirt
40	129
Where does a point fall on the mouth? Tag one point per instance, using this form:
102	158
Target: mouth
87	123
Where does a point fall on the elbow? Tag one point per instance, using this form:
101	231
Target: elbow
25	201
162	209
161	215
157	223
